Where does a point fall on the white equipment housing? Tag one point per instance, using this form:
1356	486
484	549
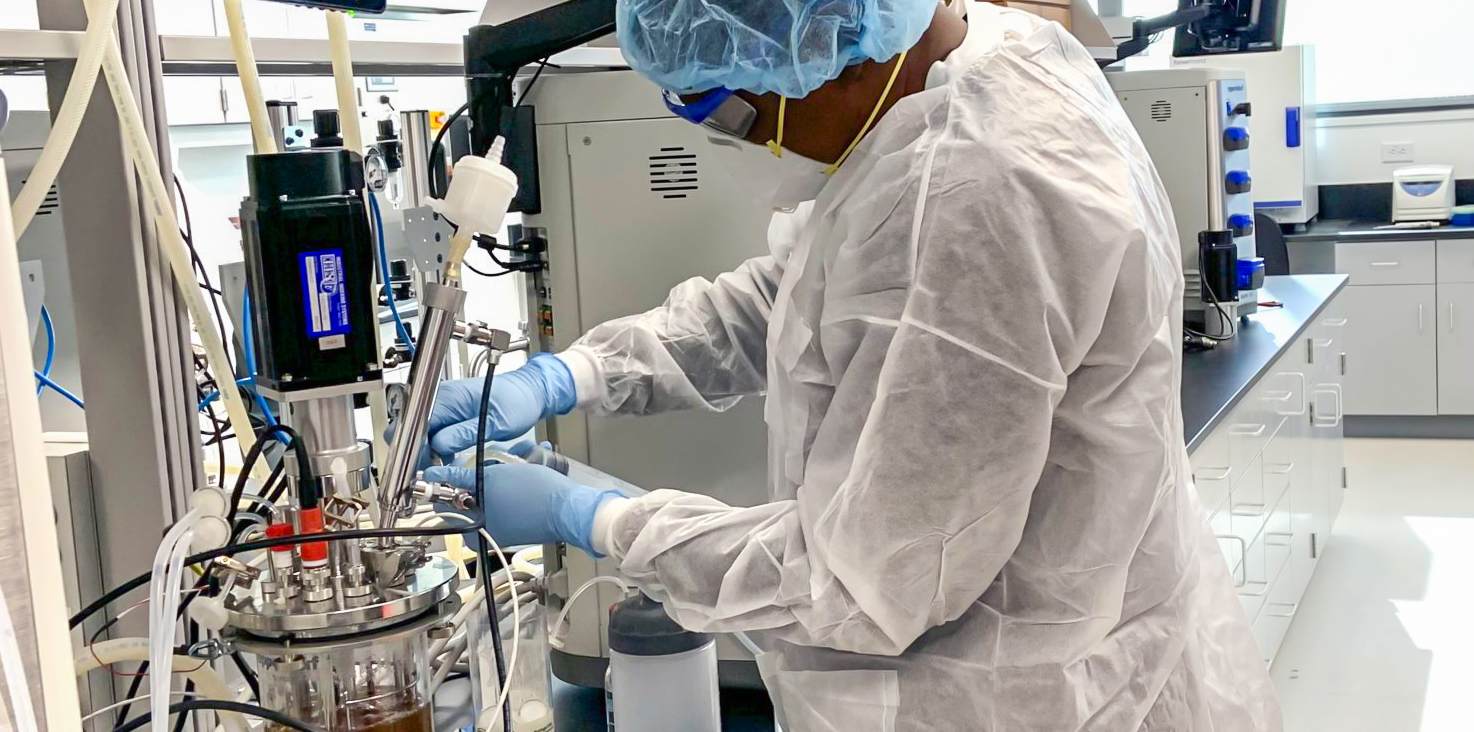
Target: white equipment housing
1423	193
1282	84
631	207
1185	117
36	677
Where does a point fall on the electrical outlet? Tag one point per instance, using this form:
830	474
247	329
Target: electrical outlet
1397	152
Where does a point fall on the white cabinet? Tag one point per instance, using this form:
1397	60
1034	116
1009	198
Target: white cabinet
193	100
1411	350
1456	348
1271	475
1391	350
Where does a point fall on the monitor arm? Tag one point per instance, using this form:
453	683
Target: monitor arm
494	53
1144	28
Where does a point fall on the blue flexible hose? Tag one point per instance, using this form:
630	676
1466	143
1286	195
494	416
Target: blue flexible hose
58	388
50	347
248	344
384	274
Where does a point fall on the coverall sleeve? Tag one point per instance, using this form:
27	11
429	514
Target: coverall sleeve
903	523
704	348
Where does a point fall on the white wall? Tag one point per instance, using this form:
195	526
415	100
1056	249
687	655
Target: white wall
1351	147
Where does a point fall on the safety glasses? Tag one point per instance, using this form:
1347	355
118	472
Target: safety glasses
718	109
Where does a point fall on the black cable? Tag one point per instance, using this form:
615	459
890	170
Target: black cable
308	491
142	670
473	268
543	64
250	546
221	705
435	153
219	440
194	254
247	674
435	160
482	557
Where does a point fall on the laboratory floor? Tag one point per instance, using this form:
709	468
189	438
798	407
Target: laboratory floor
1383	639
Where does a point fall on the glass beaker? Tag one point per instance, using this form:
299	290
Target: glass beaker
374	686
531	696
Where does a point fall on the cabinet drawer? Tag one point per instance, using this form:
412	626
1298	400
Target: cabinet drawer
1456	260
1271	626
1246	504
1220	521
1387	262
1325	347
1255	589
1249	428
1265	558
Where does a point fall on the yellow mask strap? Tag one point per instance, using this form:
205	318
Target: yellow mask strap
866	128
775	146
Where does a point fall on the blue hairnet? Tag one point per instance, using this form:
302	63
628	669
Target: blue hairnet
790	47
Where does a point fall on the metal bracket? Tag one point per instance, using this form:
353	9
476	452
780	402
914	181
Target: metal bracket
427	235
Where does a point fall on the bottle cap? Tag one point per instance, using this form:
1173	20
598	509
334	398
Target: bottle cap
639	627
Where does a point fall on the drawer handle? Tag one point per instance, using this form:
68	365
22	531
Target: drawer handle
1243	556
1334	322
1256	593
1322	342
1247	430
1287	614
1273	396
1219	474
1249	510
1288	537
1420	317
1386	264
1279	469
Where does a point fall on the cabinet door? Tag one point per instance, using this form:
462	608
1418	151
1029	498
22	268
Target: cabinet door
1456	348
193	100
1391	350
1326	409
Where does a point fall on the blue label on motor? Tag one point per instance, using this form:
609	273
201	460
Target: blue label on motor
324	297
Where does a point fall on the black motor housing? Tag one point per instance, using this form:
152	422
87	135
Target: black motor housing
310	270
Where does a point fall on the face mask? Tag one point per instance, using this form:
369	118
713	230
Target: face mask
792	178
780	182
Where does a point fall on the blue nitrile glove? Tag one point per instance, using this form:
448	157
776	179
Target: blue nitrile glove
531	504
519	400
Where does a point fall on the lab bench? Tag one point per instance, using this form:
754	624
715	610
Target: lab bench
1261	417
1411	342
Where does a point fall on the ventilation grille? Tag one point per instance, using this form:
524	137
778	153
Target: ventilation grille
673	172
50	203
1161	110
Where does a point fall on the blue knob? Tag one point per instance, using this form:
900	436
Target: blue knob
1241	224
1238	182
1235	138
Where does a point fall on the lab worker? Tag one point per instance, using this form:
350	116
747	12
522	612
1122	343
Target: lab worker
968	331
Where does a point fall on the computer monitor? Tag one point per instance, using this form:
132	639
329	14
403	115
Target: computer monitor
1233	26
355	6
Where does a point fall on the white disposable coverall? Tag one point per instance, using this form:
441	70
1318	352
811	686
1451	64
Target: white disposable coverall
982	515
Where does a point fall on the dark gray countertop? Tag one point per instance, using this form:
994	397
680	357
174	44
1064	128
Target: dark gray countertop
1340	229
1214	381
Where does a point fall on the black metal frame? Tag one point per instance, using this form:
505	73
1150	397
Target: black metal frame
494	53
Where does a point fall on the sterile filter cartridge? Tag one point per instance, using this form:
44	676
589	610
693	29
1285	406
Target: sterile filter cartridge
662	677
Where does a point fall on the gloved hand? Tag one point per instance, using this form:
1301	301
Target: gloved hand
531	504
519	399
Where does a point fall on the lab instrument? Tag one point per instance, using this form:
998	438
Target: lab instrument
1281	123
1423	193
1194	122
